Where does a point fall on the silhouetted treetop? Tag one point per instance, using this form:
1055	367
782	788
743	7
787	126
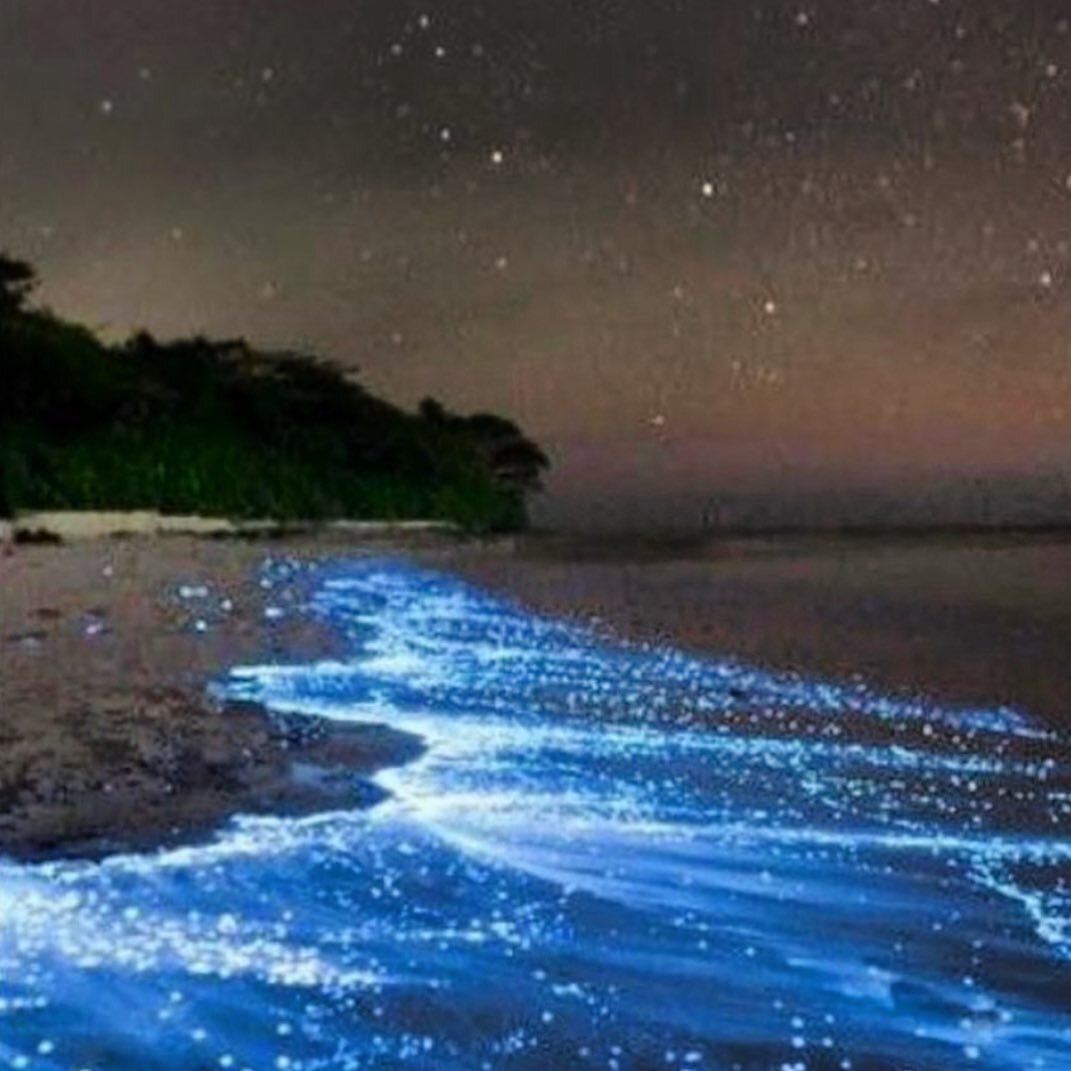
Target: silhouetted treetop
219	426
17	280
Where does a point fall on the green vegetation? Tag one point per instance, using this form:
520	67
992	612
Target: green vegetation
219	428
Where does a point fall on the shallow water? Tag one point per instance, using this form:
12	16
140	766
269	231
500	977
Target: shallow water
609	857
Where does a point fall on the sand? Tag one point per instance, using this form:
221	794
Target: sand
108	737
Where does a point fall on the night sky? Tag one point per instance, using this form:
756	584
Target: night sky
715	254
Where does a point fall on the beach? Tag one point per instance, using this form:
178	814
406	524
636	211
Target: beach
109	738
599	837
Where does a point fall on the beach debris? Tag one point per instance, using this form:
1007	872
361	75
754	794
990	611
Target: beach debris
27	639
36	536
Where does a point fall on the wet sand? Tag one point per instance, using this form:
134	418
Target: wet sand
109	738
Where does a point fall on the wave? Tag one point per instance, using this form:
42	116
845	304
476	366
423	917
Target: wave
610	855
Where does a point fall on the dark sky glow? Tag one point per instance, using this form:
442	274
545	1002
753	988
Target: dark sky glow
697	247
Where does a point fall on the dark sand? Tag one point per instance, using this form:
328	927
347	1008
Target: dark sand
108	738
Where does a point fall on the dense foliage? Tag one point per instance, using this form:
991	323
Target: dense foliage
220	428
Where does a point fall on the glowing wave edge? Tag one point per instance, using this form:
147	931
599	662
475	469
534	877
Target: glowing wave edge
610	856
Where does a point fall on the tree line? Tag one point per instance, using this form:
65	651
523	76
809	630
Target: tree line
219	427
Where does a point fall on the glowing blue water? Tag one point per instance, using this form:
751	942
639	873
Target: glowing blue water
609	857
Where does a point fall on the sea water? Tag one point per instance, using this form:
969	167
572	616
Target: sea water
609	856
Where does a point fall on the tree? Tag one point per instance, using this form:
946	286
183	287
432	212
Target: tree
433	412
17	280
514	459
220	427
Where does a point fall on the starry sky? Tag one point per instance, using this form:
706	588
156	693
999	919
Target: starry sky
726	259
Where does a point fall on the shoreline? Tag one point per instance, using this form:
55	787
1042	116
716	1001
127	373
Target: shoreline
256	765
979	621
110	740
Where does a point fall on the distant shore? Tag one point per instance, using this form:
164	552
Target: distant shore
63	526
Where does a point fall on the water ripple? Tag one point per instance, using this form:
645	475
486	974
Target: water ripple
610	856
